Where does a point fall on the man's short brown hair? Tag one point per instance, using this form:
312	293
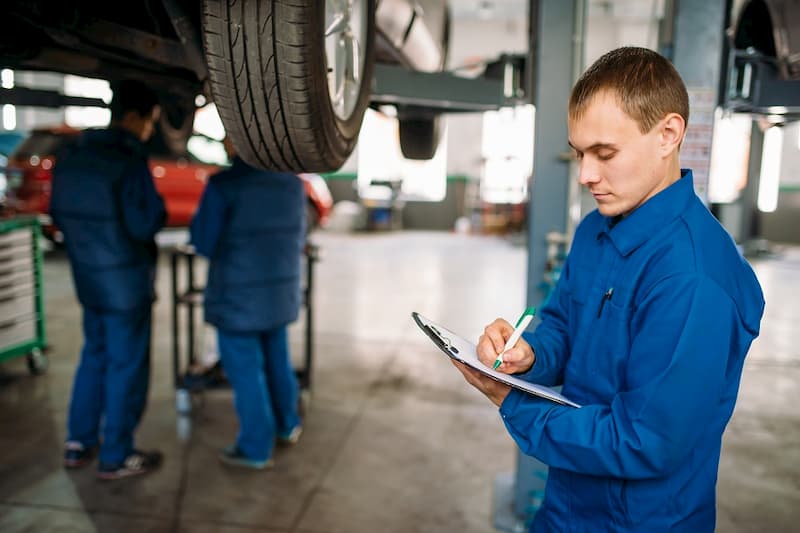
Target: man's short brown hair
644	82
132	95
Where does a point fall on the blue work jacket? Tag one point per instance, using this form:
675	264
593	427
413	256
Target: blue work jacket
647	329
251	226
106	205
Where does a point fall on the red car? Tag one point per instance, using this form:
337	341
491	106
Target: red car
179	179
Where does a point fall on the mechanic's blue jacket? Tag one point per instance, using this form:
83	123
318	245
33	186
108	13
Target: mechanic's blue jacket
106	205
647	329
251	226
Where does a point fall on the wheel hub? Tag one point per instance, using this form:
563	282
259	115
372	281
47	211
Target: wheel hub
345	37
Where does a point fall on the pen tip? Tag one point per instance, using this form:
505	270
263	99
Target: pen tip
496	364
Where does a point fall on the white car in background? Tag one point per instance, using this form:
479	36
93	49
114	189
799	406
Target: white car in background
291	79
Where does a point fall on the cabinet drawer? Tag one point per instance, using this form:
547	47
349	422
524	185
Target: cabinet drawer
17	332
17	237
18	305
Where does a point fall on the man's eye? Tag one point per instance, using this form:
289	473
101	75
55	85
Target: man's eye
578	155
605	157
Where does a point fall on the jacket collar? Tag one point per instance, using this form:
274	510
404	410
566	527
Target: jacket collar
630	232
114	137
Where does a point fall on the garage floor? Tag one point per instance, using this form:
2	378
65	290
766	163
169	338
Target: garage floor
395	441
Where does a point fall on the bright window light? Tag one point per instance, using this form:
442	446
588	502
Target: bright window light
9	117
380	160
426	180
507	147
206	150
208	123
7	78
730	152
87	117
770	170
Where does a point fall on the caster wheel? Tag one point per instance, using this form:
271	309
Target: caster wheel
37	362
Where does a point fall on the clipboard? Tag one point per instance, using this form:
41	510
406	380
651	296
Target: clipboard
465	352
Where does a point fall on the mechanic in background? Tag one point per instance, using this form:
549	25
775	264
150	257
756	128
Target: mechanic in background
105	203
251	227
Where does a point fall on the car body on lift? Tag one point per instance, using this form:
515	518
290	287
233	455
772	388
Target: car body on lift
291	79
764	63
179	179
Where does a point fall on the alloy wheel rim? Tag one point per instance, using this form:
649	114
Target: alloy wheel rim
345	49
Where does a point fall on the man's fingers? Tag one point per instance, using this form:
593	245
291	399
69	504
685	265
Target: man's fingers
495	391
485	350
514	355
493	340
520	358
472	376
498	331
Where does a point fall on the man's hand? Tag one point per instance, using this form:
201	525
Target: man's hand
492	389
518	359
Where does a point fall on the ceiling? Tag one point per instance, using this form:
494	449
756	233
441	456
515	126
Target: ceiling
488	9
514	9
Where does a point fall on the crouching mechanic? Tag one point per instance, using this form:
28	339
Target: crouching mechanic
647	328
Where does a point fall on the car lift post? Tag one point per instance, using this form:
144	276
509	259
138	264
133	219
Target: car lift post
555	53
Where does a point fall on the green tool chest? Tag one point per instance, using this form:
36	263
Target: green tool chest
22	320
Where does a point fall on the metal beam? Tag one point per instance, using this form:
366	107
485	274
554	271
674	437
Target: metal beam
436	91
23	96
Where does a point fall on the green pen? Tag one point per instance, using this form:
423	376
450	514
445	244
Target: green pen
522	323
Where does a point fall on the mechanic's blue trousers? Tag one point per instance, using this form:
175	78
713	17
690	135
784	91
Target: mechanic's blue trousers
111	383
265	388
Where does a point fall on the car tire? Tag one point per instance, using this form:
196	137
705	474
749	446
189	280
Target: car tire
419	138
268	74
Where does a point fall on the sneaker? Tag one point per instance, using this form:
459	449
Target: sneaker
290	438
233	456
77	455
135	464
199	378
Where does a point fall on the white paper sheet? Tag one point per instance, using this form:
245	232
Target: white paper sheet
464	351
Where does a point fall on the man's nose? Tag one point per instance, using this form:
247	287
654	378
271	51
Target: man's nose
588	173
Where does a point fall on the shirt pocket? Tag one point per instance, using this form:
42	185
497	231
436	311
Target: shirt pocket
614	316
582	290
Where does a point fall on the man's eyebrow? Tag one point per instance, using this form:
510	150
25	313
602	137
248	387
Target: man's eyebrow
595	147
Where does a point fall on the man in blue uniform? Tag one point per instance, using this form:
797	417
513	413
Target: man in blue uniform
107	207
647	328
251	227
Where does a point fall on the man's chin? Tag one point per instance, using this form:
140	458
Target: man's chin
609	210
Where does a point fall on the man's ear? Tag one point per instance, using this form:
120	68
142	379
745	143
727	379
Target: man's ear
673	128
155	114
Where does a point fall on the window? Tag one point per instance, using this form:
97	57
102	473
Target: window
507	149
382	168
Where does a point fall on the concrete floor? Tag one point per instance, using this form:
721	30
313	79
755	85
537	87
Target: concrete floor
395	441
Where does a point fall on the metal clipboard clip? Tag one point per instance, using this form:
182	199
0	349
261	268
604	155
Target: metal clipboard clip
443	341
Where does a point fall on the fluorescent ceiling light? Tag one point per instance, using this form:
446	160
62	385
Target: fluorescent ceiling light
770	170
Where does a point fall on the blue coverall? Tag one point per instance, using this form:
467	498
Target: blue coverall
251	226
106	205
648	329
